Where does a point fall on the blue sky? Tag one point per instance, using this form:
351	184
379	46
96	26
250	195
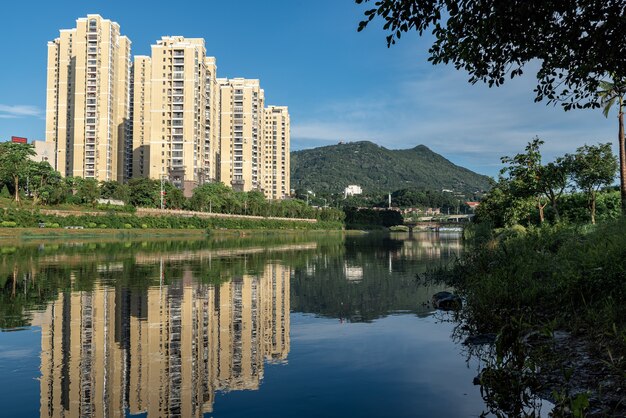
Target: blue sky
338	84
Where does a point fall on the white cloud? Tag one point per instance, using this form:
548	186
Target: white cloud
18	111
469	124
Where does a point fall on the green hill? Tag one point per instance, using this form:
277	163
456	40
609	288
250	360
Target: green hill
378	169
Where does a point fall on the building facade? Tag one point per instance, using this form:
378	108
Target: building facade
275	155
241	124
87	103
164	116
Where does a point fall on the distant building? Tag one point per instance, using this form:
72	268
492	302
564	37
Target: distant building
352	190
472	205
274	170
44	151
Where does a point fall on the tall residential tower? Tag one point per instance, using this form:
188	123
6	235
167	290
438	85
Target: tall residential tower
241	125
174	105
275	161
87	104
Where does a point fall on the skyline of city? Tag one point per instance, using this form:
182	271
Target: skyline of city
114	116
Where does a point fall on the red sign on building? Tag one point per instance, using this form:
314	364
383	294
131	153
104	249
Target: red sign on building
19	139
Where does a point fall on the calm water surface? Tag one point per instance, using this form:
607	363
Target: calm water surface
274	326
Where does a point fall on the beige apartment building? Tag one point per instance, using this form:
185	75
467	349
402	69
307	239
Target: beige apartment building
169	112
166	116
275	156
87	103
241	125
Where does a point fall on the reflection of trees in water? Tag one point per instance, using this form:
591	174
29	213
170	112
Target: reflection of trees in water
370	277
506	372
33	275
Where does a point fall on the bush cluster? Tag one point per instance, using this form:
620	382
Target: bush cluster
571	276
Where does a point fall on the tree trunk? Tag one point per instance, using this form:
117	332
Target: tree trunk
557	217
16	180
622	155
592	207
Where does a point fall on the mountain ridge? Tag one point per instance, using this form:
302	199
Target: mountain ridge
378	169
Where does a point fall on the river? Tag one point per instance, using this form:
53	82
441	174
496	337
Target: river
291	325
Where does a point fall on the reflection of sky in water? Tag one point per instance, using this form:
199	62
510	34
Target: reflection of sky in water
399	366
19	388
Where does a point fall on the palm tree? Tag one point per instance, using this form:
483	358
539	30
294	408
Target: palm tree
611	93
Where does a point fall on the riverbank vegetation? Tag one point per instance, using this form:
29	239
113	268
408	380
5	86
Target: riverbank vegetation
21	218
546	257
30	184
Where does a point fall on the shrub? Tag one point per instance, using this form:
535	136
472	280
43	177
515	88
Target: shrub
102	226
8	224
128	226
91	225
144	226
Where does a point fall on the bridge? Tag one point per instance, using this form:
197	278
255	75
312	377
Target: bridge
437	223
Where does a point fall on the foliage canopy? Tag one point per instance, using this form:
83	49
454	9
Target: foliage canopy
577	43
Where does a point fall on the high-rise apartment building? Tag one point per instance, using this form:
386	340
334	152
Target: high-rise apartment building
166	116
87	104
141	106
172	105
211	122
275	155
241	125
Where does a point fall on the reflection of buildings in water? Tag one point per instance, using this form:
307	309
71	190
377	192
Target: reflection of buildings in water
164	351
354	274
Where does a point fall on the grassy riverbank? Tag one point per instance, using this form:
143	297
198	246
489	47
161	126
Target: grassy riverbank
20	218
562	276
547	281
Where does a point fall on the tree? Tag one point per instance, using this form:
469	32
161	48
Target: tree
174	197
593	166
610	94
14	162
46	184
553	181
529	178
210	197
86	191
256	203
114	190
502	208
144	192
524	171
579	45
